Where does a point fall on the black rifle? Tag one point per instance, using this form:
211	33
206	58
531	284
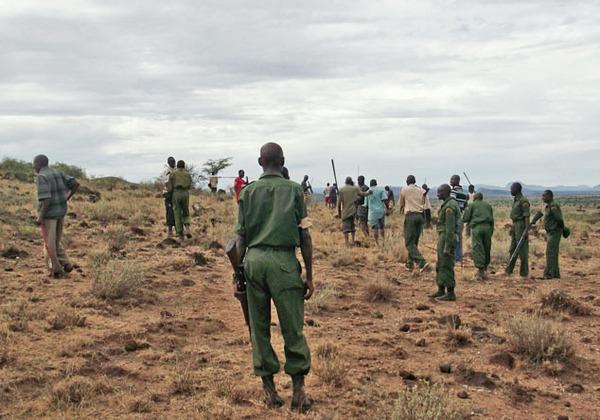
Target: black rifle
239	279
536	217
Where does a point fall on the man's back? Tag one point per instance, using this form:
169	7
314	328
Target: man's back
348	198
412	199
270	212
460	196
181	179
376	204
479	212
54	186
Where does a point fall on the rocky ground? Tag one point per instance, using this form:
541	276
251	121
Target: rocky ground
169	340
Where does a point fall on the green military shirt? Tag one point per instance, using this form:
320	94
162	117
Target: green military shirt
447	219
553	219
479	212
180	179
271	212
520	208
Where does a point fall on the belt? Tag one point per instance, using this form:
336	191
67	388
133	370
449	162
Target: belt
414	212
180	188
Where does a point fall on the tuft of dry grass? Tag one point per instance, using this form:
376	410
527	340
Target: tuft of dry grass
379	292
330	366
457	338
323	298
116	279
426	401
64	317
20	313
116	237
538	339
559	300
5	349
75	391
183	380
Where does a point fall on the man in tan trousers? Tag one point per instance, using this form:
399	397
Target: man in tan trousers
54	189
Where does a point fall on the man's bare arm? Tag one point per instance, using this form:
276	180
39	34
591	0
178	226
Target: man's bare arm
73	190
307	255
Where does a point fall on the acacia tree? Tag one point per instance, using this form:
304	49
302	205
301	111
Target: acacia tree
214	166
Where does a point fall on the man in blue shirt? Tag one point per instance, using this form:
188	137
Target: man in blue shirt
376	204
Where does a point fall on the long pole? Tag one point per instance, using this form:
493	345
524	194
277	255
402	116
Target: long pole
334	174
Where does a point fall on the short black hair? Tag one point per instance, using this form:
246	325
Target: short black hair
181	164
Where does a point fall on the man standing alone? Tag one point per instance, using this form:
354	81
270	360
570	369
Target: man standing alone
412	203
239	183
272	223
479	217
54	190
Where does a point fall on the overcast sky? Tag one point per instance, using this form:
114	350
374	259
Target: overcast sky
504	90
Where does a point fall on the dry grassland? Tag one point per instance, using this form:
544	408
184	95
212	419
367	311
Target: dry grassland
145	328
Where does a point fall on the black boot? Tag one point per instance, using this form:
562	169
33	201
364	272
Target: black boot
441	292
272	398
450	296
481	274
300	401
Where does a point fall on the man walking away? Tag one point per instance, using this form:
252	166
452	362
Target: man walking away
54	190
555	228
520	217
272	223
239	183
412	204
334	196
362	212
479	217
390	202
347	206
180	183
169	215
461	199
446	228
306	188
376	216
327	193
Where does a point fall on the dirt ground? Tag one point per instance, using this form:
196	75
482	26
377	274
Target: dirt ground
176	346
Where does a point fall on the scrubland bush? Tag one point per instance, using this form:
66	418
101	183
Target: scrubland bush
538	339
426	401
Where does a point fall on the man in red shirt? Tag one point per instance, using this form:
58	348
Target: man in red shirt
239	183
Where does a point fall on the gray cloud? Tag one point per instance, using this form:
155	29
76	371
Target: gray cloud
501	89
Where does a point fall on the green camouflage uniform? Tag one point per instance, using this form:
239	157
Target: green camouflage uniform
446	228
270	214
554	224
180	182
479	215
520	218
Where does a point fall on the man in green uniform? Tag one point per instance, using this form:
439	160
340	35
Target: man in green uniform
272	223
554	225
520	218
447	230
169	215
479	217
180	182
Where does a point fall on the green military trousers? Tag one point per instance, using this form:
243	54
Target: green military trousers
517	230
552	247
445	265
181	203
274	274
413	228
481	240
